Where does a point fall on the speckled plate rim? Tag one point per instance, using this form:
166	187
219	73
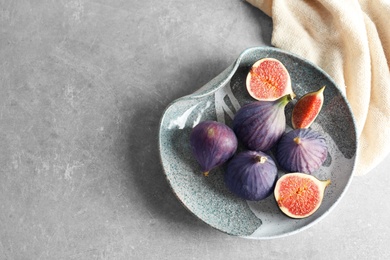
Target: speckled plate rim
218	83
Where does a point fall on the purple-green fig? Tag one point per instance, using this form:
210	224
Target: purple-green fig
301	150
212	144
260	124
251	175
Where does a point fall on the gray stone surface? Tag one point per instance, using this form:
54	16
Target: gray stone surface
83	84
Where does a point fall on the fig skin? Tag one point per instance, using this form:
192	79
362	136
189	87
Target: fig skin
212	144
260	124
251	175
301	150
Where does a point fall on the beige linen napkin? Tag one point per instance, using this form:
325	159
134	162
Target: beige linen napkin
350	40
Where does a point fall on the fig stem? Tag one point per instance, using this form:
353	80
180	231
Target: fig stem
260	159
283	101
321	90
297	140
206	173
326	183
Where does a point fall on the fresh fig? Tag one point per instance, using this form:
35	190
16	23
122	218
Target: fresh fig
251	175
260	124
307	109
301	150
299	195
268	79
212	144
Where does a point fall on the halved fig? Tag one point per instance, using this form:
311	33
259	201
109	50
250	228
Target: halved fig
299	195
307	109
268	79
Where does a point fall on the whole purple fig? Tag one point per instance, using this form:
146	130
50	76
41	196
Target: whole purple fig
251	175
212	144
260	124
301	150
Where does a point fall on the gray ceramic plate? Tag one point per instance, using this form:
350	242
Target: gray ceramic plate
207	197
